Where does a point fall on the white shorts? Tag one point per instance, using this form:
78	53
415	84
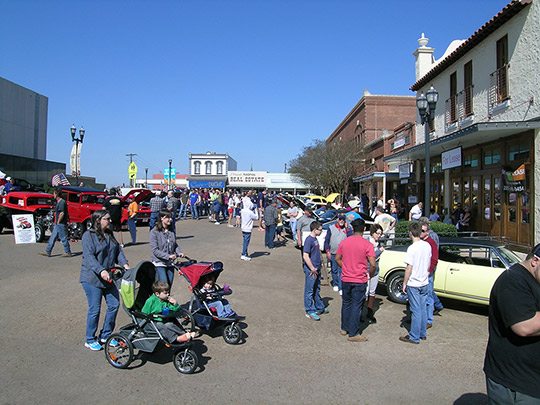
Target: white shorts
372	285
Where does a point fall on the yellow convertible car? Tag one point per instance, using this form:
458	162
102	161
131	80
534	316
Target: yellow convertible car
466	270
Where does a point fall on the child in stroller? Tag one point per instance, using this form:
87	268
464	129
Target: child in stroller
161	302
214	299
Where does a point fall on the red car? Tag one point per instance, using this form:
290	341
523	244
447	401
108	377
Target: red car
40	205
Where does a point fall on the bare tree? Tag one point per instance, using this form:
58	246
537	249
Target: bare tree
327	166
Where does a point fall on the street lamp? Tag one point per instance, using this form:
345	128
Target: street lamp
146	176
77	141
170	163
426	109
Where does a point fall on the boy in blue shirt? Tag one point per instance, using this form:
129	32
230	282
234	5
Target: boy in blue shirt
313	303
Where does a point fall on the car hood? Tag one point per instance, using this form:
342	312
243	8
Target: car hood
138	195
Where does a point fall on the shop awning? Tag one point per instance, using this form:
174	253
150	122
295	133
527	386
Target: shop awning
375	175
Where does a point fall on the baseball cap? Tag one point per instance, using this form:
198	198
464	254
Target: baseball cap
536	251
341	216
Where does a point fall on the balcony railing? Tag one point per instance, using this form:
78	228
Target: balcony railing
458	107
498	87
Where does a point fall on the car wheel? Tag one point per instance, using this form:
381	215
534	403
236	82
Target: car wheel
394	287
40	232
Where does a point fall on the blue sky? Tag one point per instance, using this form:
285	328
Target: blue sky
256	79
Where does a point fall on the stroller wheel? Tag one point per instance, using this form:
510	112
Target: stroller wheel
185	361
118	351
232	333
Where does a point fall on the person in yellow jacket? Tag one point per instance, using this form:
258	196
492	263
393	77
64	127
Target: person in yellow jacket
133	209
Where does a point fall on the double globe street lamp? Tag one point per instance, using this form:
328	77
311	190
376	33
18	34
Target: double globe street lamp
426	109
77	141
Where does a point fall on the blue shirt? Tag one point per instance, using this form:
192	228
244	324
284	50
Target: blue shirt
311	247
193	197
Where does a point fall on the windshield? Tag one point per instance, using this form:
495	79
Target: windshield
40	201
509	256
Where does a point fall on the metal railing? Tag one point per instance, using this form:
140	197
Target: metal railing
499	90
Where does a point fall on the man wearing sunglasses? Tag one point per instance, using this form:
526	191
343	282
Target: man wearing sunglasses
512	362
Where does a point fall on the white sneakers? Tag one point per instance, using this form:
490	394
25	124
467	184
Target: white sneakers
246	258
336	288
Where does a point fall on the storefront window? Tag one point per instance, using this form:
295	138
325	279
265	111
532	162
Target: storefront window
471	160
487	213
466	199
525	216
487	184
518	152
512	199
497	214
511	215
487	199
466	185
475	185
497	183
456	186
492	156
497	200
525	199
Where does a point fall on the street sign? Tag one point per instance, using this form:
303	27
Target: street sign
132	170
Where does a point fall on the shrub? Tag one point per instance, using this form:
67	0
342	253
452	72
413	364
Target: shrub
440	228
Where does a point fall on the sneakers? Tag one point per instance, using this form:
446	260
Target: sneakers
324	311
336	288
217	222
340	292
313	315
246	258
230	226
357	338
261	229
112	343
95	346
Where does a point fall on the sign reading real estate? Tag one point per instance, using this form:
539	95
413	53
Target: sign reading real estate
451	158
23	228
247	179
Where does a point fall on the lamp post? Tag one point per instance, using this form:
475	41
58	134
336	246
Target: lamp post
77	141
146	176
170	163
426	109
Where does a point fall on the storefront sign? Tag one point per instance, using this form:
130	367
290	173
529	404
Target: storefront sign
23	228
451	158
405	171
514	182
247	179
206	184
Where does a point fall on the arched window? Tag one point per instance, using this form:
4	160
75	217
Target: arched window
208	166
197	167
219	167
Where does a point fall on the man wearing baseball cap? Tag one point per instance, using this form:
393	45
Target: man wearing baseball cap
512	362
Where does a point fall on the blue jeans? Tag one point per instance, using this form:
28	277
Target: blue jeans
246	237
217	209
417	301
312	296
183	209
353	298
293	229
165	274
132	226
225	212
222	306
336	273
432	300
60	231
194	212
153	219
269	235
94	295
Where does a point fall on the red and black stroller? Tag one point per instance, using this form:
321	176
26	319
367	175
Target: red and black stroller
205	316
142	334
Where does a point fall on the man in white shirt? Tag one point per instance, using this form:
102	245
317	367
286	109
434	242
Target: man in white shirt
386	221
248	214
416	212
416	284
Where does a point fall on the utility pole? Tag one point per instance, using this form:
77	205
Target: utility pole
130	160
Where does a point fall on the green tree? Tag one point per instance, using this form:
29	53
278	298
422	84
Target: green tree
327	166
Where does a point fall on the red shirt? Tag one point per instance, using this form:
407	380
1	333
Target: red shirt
355	251
434	254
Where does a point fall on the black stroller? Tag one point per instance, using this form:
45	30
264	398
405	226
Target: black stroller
142	334
205	316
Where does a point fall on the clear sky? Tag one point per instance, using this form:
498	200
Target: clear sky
256	79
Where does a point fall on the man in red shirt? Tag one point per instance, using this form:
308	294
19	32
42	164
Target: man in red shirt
352	256
434	260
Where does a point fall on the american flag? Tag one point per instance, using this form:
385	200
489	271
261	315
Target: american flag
59	179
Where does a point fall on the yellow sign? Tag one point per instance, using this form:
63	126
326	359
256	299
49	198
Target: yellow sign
132	169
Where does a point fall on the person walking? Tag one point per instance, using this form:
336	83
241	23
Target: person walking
511	364
184	199
194	200
115	206
172	207
353	255
292	213
334	236
248	214
313	304
101	252
415	283
61	219
271	218
156	205
165	250
133	209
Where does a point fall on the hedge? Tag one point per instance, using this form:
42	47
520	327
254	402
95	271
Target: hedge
440	228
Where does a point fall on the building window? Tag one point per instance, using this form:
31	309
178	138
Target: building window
208	167
453	98
492	157
468	87
498	80
197	166
471	160
219	167
518	152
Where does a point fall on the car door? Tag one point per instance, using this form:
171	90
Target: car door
471	277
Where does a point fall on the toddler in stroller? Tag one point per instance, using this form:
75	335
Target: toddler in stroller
214	299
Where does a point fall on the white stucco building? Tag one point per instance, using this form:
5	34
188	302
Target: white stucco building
209	170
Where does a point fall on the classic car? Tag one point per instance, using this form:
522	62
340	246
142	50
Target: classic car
24	202
466	270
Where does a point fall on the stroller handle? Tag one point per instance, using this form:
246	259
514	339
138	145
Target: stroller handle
189	262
